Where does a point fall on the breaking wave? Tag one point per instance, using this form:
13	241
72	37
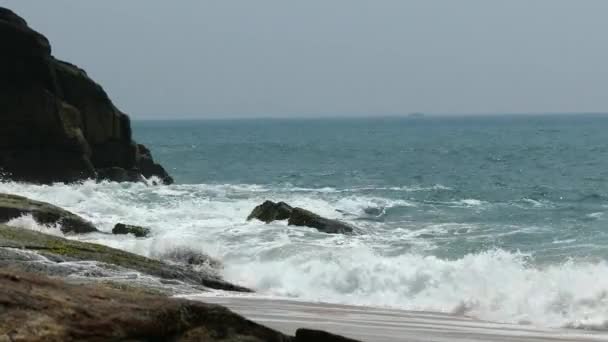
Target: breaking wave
393	267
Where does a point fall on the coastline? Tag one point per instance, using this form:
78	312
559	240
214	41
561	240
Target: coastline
102	239
385	325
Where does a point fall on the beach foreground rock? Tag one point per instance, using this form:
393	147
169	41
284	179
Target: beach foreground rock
13	206
270	211
19	248
56	123
36	308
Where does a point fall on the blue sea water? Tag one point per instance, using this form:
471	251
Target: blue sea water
503	218
536	184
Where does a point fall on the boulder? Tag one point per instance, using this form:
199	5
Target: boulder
13	206
121	228
270	211
56	123
303	217
37	308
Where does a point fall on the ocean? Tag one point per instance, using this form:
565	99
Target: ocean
502	218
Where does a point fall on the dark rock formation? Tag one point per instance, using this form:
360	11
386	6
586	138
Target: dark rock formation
149	168
270	211
306	335
117	174
36	308
121	228
63	250
303	217
56	123
13	206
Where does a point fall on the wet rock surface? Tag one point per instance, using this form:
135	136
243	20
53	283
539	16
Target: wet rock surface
137	231
303	217
270	211
63	250
13	206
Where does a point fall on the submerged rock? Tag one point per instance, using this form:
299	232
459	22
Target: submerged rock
303	217
191	257
57	124
13	206
121	228
270	211
61	250
36	308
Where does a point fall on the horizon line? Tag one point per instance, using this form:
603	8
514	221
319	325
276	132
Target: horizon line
413	115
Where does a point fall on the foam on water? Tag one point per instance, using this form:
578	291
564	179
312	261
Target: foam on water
28	222
493	285
382	268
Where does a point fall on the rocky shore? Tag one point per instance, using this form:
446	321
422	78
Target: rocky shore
57	289
58	125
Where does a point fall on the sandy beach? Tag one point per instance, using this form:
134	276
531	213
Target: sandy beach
386	325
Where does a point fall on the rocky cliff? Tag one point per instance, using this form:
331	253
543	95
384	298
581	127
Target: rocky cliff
56	123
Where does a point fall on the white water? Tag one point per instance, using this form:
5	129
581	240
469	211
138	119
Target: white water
301	263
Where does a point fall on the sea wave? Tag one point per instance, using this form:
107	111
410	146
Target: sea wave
298	262
493	285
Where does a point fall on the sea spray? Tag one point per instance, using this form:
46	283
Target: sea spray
405	261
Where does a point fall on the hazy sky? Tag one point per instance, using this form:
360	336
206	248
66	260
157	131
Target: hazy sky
227	58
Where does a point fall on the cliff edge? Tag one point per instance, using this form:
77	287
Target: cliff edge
56	123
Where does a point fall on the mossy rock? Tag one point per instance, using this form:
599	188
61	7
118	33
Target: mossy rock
58	248
13	206
137	231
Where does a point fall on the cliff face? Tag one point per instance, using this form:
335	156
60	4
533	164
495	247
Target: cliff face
56	123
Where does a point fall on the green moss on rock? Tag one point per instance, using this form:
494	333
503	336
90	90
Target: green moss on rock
76	250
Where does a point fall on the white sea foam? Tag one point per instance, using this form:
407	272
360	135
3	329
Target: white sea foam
496	285
299	262
470	202
28	222
595	216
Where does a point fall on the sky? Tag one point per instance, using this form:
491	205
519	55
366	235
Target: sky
278	58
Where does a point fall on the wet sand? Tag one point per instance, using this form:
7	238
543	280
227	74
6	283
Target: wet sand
386	325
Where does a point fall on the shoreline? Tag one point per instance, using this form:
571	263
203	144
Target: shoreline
385	325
